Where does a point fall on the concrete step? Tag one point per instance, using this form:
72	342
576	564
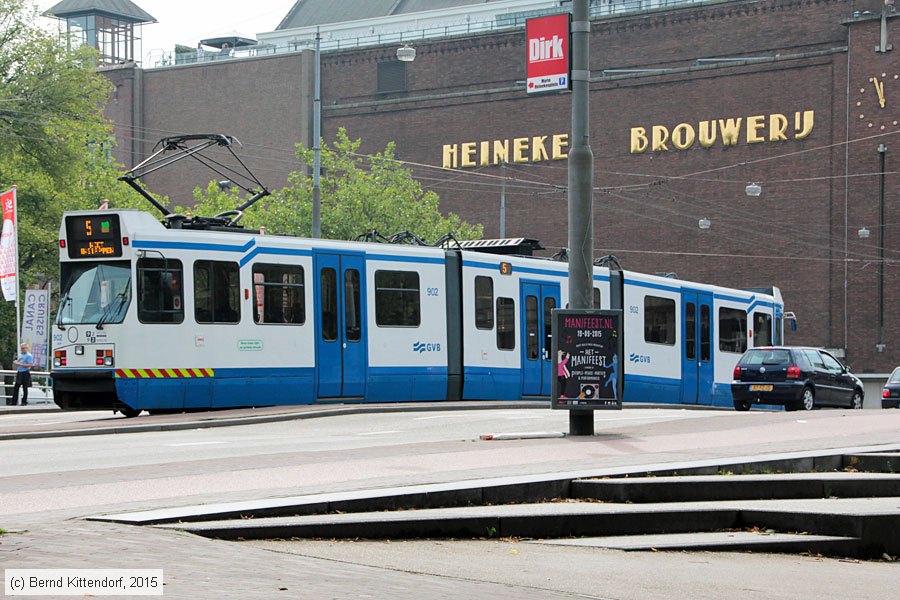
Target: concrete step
874	462
876	521
720	541
737	487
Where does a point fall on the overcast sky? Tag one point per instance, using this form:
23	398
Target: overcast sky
188	21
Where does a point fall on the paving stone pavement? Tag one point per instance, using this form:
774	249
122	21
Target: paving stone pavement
200	568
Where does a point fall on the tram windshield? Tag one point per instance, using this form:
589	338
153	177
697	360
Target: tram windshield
95	293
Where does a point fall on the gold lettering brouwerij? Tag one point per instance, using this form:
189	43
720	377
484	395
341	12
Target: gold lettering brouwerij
757	129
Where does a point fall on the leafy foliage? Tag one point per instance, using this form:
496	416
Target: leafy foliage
359	193
54	143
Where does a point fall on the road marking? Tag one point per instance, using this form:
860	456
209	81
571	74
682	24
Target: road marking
466	416
379	432
193	444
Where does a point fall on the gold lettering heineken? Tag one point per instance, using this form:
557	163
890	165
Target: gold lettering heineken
517	150
754	129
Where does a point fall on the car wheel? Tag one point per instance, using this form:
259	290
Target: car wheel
808	400
741	405
857	400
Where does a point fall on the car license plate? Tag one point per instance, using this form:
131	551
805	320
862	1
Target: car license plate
761	388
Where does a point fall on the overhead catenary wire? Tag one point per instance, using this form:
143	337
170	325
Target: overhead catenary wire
477	181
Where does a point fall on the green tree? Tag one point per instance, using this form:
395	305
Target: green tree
54	143
359	193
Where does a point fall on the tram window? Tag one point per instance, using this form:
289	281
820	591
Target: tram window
279	295
705	341
596	298
732	330
506	324
217	292
690	331
549	305
95	292
531	327
328	293
762	329
484	303
397	302
659	320
352	308
160	291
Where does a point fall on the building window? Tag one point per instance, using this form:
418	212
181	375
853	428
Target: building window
732	330
391	77
160	291
217	292
762	329
279	295
659	320
506	324
484	303
397	299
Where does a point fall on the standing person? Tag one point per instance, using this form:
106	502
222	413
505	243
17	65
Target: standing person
24	362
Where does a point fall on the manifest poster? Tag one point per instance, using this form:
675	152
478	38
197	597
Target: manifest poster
587	351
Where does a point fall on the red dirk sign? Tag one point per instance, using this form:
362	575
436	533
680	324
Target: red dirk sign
548	53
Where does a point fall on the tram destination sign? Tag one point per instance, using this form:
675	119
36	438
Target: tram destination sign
91	236
587	353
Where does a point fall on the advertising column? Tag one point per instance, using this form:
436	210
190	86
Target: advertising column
587	351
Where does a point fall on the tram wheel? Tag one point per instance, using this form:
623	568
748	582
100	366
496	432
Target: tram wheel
130	413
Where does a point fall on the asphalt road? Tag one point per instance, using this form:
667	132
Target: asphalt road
47	484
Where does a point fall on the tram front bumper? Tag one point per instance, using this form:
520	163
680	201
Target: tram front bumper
85	389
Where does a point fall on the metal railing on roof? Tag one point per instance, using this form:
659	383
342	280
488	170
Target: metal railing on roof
504	22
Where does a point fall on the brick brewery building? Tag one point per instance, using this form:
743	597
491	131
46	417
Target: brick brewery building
689	105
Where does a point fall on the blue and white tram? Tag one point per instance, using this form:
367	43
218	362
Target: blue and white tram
165	319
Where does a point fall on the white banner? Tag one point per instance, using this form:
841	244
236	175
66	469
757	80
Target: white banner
8	246
35	320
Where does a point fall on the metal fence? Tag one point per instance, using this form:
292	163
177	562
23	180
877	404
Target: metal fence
502	22
40	392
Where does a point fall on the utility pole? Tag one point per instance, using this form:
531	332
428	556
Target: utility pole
317	149
581	184
503	201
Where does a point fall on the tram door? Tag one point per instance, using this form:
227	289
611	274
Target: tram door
697	348
340	325
536	301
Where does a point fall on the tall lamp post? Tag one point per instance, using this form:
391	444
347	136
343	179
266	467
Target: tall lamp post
882	151
317	146
581	183
405	54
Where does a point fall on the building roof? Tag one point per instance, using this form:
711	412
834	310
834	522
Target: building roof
124	9
306	13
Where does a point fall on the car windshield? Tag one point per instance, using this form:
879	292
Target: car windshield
895	376
768	356
96	293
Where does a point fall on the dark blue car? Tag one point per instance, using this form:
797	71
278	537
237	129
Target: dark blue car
795	377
